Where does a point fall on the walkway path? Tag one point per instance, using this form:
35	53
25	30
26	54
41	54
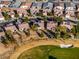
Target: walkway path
38	43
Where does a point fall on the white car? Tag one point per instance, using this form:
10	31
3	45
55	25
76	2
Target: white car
66	45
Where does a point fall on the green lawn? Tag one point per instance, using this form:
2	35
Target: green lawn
50	52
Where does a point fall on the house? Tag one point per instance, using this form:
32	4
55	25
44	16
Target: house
4	3
23	0
77	13
12	28
28	1
41	0
7	0
21	12
36	6
12	14
15	4
25	5
68	23
53	0
76	1
58	10
41	24
70	13
51	25
47	7
33	8
23	26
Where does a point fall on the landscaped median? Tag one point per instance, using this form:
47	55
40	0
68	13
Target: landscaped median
33	44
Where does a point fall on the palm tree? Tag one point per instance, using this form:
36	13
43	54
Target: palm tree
40	13
40	34
64	33
61	32
59	20
9	36
16	13
6	16
29	12
50	13
25	19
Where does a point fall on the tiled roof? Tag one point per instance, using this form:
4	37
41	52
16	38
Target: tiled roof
16	4
37	4
34	4
47	4
27	4
5	2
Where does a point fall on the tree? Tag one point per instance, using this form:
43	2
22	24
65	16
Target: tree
6	16
63	29
34	27
26	19
75	30
50	13
29	12
61	32
40	13
9	36
16	13
59	20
